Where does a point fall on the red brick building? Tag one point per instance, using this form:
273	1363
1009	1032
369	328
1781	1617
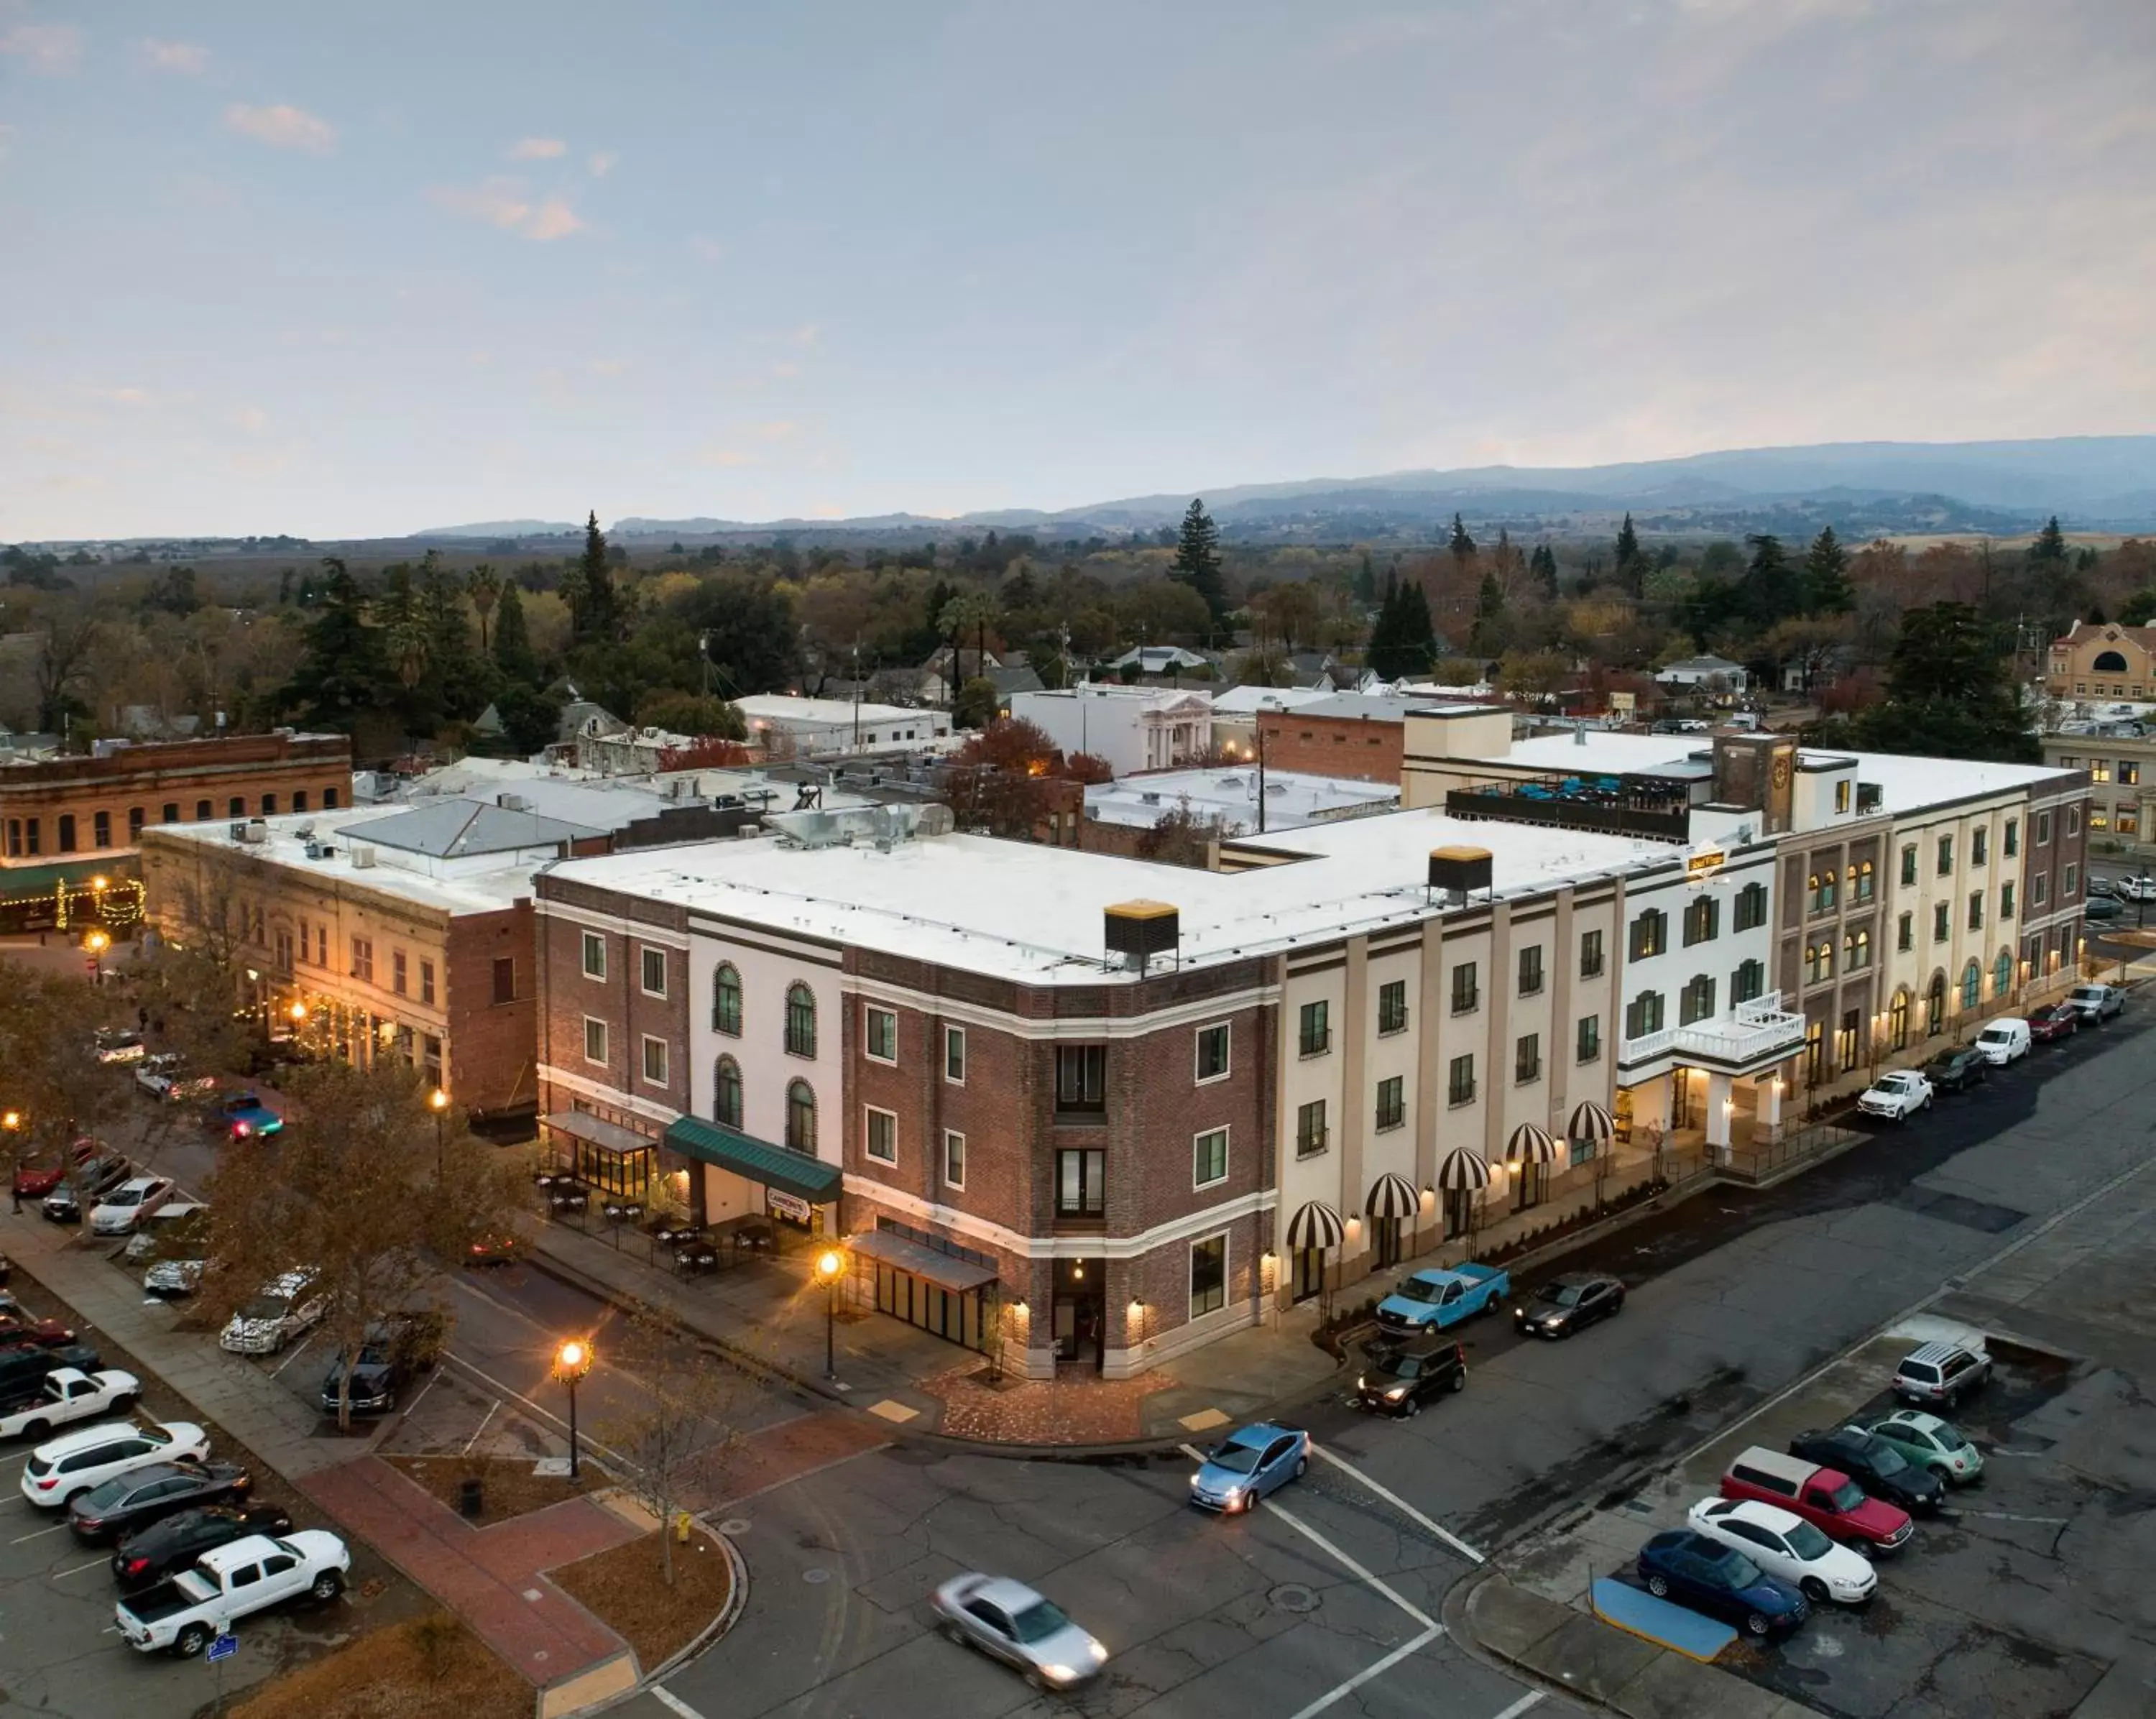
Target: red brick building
1349	733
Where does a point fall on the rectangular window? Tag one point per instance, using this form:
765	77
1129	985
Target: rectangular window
881	1031
1309	1128
1587	1044
882	1136
2129	775
1979	845
1945	867
1081	1182
1643	1015
269	805
595	1040
299	800
655	1061
2043	829
1209	1158
594	955
654	972
1208	1275
1860	888
1909	864
1081	1079
134	821
1531	970
2013	842
172	812
100	830
954	1055
2099	769
1528	1059
1942	922
1212	1053
1590	955
1696	1002
1905	936
2070	881
329	799
1460	1080
1976	910
954	1158
2006	901
1747	981
2073	821
67	833
204	813
1701	920
284	951
236	807
1392	1103
504	980
1315	1036
398	971
1393	1007
1651	934
1751	907
1841	796
362	959
1467	990
427	980
2040	889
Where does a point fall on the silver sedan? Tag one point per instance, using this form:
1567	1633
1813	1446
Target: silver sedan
1008	1621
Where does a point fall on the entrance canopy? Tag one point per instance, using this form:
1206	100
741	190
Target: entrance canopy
759	1161
597	1131
940	1269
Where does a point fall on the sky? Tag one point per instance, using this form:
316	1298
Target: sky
355	272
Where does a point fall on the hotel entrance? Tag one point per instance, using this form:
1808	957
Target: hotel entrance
934	1285
1080	1310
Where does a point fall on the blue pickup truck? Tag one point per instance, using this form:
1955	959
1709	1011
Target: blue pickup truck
1433	1300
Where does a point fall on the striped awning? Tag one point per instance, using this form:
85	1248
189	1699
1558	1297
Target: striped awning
1463	1171
1391	1197
1591	1121
1315	1225
1530	1145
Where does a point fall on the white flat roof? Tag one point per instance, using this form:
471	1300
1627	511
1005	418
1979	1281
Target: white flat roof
465	886
1034	914
1248	701
829	712
1230	798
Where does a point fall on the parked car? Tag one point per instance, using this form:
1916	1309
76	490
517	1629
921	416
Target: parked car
2006	1040
1788	1548
33	1182
87	1181
2053	1021
166	1076
19	1325
1247	1464
1709	1576
393	1352
1400	1380
171	1279
502	1248
2136	889
1874	1464
276	1314
1932	1444
119	1045
160	1549
25	1366
1434	1299
1957	1070
2097	1004
1568	1303
1826	1498
68	1394
135	1501
243	1114
169	1226
121	1208
186	1613
2102	907
1008	1621
1941	1373
90	1456
1897	1094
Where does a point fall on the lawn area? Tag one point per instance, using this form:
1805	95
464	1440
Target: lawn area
625	1588
430	1668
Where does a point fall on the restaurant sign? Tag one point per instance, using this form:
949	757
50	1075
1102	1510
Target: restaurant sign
788	1205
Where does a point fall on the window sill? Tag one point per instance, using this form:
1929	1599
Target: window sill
1208	1187
1391	1127
1081	1119
1531	990
1459	1103
1533	1080
1087	1222
881	1163
1302	1152
1392	1032
881	1062
1592	1057
1471	1009
808	1055
1212	1080
1309	1055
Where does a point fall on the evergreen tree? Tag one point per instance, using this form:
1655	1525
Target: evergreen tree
341	675
460	684
1418	637
1365	586
512	637
2049	551
1950	692
1827	589
1627	544
1543	564
595	606
1462	546
1198	560
1768	590
1488	634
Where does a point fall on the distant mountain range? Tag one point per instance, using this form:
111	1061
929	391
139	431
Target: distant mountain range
2091	482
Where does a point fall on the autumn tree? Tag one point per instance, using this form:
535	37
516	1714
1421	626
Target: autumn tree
56	1089
1005	778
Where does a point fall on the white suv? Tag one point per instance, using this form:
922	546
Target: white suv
76	1462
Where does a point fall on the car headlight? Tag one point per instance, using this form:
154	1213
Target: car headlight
1099	1652
1396	1393
1232	1495
1059	1674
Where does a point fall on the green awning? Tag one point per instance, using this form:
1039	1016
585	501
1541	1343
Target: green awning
773	1165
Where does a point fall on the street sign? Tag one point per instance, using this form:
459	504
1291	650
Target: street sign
223	1648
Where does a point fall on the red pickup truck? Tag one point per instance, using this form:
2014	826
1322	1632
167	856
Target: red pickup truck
1829	1502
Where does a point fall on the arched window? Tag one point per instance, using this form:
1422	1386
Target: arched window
1972	985
1935	1006
1860	889
1898	1020
1856	951
2108	662
2002	973
800	1020
727	1092
801	1118
726	1000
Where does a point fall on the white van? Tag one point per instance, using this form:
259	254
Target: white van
2004	1041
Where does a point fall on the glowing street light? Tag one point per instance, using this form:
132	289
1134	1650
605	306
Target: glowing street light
572	1360
438	1102
830	1265
97	942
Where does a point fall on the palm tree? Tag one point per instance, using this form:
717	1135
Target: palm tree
484	586
968	608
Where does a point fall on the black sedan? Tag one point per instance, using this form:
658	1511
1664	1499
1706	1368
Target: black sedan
150	1554
134	1500
1401	1380
1874	1464
1957	1070
1569	1303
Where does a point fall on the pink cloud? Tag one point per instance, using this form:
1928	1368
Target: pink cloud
282	127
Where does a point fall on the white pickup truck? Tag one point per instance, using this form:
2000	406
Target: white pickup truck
187	1613
69	1394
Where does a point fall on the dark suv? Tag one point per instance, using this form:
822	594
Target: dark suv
1956	1071
394	1350
1400	1380
1874	1464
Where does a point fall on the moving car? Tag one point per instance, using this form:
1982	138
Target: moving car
2136	889
1874	1464
135	1501
2102	907
165	1076
1826	1498
392	1351
1941	1373
228	1583
1247	1464
1788	1548
505	1248
122	1207
1932	1444
69	1394
243	1114
1007	1620
1957	1070
1401	1379
1434	1299
2053	1021
149	1554
276	1314
2097	1004
1569	1303
1709	1576
1898	1095
2006	1040
74	1462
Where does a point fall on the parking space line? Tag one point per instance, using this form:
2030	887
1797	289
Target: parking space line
95	1563
294	1355
409	1407
39	1535
534	1409
1532	1698
666	1698
2002	1516
1398	1503
481	1428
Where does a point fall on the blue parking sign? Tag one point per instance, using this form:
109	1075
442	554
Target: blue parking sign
223	1648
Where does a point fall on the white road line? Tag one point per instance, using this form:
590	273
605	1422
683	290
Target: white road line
1368	1577
666	1698
415	1403
1532	1698
584	1439
1402	1652
481	1428
1399	1503
294	1355
2001	1515
95	1563
39	1535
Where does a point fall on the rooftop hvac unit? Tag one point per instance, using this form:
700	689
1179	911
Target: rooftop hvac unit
512	803
1457	871
1138	930
239	829
363	854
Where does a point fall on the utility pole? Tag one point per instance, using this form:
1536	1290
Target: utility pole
704	656
857	693
1261	727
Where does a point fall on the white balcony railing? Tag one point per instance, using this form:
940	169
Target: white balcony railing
1758	1031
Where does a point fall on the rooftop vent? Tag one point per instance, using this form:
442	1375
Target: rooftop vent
1456	872
363	855
1138	930
512	803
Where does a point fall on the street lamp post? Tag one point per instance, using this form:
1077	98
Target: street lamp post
438	1102
572	1360
830	1263
97	942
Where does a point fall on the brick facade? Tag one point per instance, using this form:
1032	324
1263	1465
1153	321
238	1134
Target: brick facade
1366	747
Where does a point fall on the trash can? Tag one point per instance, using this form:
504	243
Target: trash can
471	1496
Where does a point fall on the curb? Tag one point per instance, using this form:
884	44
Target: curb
705	1639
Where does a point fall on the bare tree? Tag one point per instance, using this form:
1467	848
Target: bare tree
56	1089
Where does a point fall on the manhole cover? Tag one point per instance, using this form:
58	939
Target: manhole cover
815	1576
1293	1597
734	1526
